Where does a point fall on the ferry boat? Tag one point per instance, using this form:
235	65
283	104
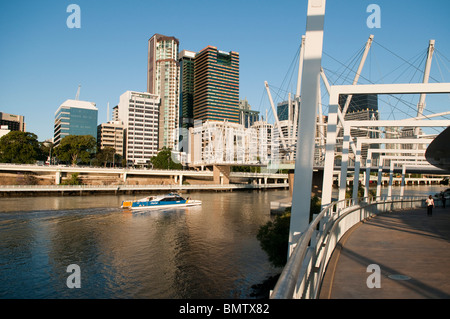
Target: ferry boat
162	201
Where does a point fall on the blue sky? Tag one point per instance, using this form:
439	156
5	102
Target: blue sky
42	61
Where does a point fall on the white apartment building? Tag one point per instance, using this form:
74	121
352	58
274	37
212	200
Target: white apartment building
226	143
139	112
163	79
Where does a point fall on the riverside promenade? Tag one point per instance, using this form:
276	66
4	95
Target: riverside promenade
411	249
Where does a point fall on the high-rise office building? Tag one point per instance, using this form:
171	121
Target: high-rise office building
139	113
163	79
75	117
186	60
362	107
360	102
283	111
216	85
246	116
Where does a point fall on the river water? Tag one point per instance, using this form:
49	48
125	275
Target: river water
198	252
209	251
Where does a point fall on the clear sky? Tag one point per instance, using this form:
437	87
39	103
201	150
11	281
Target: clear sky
42	61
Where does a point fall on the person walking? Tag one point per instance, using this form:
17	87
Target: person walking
443	199
430	205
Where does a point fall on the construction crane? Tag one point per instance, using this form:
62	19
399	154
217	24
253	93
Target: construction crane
77	97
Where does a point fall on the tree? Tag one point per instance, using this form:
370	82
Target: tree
105	155
163	160
73	180
20	148
76	148
273	237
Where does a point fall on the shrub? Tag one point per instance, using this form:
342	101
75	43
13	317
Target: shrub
273	237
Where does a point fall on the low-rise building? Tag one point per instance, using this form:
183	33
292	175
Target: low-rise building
111	134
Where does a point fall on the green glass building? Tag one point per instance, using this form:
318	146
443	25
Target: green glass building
75	117
186	61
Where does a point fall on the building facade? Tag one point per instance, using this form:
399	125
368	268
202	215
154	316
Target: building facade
216	85
111	134
247	117
186	61
362	107
283	111
139	112
75	117
14	122
163	79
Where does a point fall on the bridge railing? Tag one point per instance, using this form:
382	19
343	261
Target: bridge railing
304	271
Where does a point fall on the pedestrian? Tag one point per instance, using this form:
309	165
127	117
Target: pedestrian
430	205
443	199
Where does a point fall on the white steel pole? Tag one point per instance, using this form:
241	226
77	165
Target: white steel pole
344	163
380	176
328	168
368	164
275	115
391	178
357	167
297	93
426	76
300	67
402	187
301	199
358	72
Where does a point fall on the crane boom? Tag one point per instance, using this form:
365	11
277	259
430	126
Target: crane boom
77	97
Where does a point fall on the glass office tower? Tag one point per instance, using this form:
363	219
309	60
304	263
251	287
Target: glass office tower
186	88
75	117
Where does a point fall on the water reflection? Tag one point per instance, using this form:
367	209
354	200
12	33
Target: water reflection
198	252
209	251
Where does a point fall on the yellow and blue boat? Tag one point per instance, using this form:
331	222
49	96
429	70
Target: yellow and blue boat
171	200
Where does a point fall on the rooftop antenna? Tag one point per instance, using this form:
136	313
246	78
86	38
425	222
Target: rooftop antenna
77	97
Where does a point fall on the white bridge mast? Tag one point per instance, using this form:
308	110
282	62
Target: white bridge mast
301	199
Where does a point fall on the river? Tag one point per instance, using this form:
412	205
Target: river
209	251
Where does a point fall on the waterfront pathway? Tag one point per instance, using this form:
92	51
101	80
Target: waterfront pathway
411	249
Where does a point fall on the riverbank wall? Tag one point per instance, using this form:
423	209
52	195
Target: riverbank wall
85	190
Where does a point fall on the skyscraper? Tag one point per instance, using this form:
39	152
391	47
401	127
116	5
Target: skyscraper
216	85
75	117
187	88
163	79
246	116
362	107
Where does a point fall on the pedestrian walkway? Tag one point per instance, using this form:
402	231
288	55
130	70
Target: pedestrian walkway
411	249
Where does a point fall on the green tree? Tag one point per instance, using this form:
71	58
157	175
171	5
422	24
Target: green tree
73	180
246	169
20	148
76	148
273	237
105	155
163	160
349	192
